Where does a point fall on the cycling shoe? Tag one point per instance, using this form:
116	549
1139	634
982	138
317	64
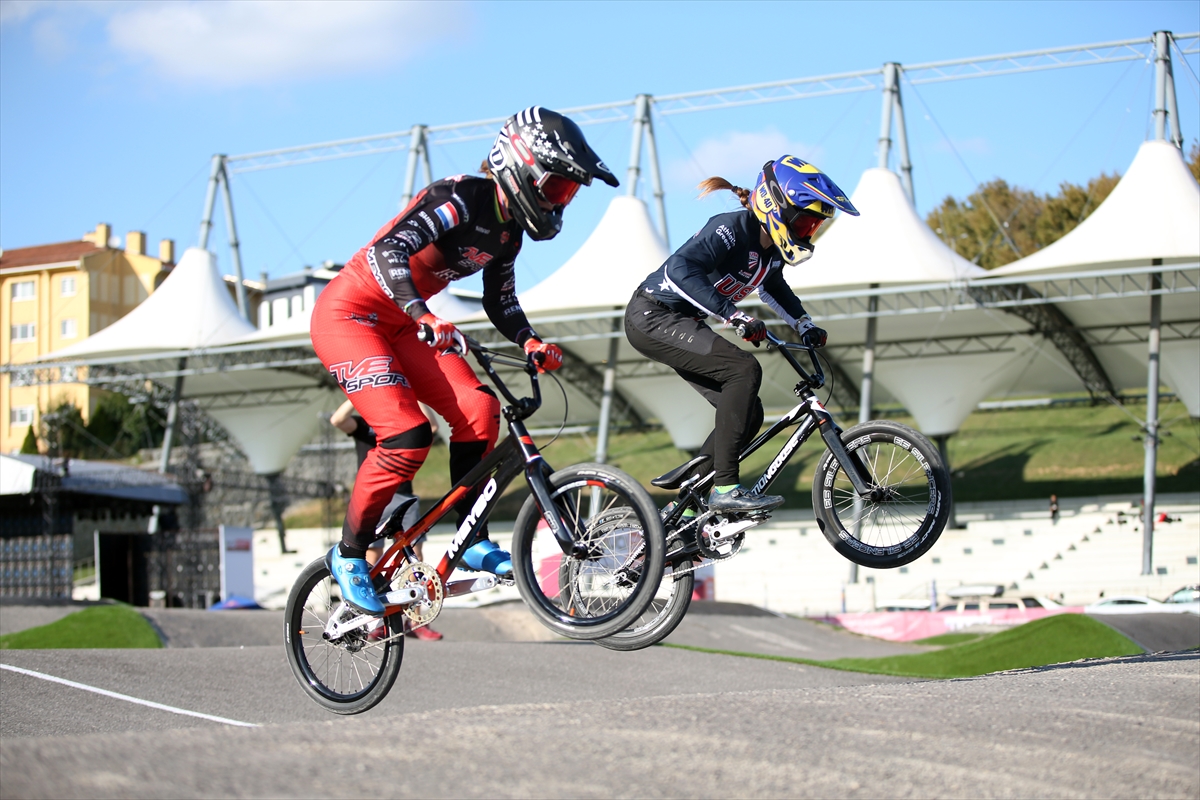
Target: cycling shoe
353	576
740	500
486	556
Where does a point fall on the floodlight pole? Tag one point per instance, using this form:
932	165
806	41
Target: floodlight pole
416	149
1151	440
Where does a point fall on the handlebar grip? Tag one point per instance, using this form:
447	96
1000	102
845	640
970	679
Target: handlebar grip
425	333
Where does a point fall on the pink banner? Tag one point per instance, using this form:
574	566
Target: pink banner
907	626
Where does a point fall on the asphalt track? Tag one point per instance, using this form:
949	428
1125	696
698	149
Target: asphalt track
472	716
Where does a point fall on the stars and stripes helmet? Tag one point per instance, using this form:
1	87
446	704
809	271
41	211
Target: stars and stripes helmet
540	155
792	200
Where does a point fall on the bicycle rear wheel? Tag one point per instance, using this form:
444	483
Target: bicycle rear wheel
662	616
604	592
347	676
906	513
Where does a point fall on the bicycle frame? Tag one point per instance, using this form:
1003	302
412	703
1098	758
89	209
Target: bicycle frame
810	415
517	454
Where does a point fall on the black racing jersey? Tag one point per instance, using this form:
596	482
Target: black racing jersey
452	229
718	267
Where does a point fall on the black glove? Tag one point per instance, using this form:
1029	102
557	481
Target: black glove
749	328
810	334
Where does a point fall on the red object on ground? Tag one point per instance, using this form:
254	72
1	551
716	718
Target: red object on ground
907	626
427	634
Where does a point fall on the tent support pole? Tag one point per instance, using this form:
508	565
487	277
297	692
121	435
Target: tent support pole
210	200
885	127
656	175
866	395
942	440
1162	61
1172	104
610	380
902	142
416	146
635	150
1151	423
234	247
172	418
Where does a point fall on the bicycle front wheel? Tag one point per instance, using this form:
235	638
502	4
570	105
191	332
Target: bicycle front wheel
602	593
353	673
906	512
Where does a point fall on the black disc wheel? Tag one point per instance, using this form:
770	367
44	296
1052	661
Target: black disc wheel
348	674
663	615
608	584
907	508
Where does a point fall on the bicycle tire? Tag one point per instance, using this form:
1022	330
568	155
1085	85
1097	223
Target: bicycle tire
347	677
611	512
660	619
899	527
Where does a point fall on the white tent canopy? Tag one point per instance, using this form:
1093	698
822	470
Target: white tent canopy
887	244
192	309
603	273
1154	212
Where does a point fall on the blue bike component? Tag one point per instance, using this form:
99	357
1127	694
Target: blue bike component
353	576
486	556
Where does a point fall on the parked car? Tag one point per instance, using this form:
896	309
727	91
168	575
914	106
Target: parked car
977	603
1188	594
1136	604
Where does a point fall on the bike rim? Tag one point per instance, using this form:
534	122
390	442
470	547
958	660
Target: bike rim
344	670
658	609
902	515
589	590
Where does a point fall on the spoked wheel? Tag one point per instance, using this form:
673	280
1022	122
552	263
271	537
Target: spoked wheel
354	672
604	591
903	516
663	615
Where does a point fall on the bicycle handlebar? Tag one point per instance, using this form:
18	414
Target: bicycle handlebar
814	380
522	407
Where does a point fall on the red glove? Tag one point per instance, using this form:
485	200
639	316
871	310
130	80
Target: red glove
548	357
440	334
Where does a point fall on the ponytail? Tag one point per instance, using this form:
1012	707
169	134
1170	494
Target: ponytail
710	185
486	169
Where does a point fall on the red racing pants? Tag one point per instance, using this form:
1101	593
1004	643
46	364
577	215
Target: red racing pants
371	348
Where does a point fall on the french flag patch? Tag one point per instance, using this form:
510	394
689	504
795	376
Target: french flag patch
448	214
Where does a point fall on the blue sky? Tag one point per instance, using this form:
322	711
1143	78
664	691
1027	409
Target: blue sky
110	111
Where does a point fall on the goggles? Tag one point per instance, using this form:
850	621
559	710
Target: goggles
556	189
805	225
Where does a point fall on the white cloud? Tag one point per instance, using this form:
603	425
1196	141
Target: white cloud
239	42
737	157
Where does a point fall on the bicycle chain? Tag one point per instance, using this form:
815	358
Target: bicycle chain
426	576
711	556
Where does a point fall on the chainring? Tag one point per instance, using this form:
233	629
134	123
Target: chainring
421	574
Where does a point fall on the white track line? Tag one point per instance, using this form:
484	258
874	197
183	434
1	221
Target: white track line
127	698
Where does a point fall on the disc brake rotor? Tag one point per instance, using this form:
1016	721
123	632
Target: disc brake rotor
421	574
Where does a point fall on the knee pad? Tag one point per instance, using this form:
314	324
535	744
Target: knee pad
412	439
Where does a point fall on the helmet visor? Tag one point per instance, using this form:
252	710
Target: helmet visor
556	189
805	225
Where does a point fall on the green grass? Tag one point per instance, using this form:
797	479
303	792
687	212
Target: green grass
107	626
1068	450
1052	640
948	639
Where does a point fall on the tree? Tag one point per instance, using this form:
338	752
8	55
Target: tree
29	446
1194	159
998	224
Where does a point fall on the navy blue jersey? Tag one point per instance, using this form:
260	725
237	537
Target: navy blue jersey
720	266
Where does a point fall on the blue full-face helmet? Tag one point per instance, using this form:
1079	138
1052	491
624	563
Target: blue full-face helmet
792	200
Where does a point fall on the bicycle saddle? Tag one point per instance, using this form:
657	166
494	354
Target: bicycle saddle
674	478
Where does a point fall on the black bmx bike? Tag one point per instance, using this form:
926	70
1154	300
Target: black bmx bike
881	496
589	521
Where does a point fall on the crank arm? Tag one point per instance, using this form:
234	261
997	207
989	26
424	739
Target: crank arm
480	584
406	596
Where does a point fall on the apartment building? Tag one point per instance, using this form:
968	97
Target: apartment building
54	295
